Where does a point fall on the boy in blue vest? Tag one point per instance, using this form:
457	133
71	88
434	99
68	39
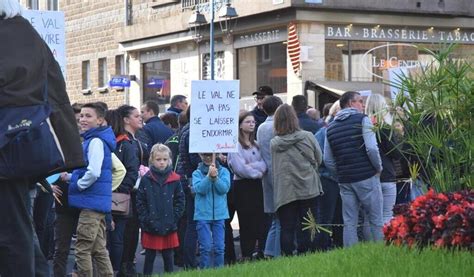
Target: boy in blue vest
90	190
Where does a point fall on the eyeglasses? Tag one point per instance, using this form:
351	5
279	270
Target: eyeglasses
259	97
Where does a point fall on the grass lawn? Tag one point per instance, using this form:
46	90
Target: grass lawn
361	260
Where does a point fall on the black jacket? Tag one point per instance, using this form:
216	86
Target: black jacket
141	148
388	153
188	162
160	202
25	64
260	116
156	131
126	152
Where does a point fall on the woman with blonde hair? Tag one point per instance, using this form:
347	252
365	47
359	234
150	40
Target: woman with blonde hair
336	107
296	157
378	111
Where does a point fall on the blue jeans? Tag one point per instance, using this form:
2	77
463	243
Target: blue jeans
368	194
115	242
272	245
389	196
389	193
211	233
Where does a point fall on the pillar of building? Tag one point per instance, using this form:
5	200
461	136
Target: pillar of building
135	92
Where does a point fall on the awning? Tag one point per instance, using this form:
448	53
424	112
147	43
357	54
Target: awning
333	91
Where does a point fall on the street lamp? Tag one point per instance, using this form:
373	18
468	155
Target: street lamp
226	15
195	21
198	19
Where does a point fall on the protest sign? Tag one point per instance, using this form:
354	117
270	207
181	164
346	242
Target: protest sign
214	116
50	26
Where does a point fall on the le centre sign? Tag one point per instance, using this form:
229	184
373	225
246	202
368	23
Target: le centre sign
400	34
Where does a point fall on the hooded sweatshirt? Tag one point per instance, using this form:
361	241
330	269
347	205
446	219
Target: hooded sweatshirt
295	161
350	148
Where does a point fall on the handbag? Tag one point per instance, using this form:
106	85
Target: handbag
120	203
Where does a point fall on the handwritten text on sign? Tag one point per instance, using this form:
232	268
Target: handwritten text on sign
214	116
50	26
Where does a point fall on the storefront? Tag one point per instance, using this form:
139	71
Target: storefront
261	60
361	56
334	55
362	53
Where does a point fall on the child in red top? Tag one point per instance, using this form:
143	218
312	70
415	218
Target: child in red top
160	204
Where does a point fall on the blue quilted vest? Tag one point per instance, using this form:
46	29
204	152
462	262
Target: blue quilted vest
98	196
347	145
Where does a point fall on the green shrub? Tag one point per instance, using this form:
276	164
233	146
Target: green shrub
435	105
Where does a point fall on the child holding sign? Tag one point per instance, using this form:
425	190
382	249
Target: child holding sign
211	182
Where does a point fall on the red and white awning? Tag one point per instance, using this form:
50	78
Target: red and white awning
294	47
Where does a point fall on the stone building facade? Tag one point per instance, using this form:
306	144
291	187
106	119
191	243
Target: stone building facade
150	42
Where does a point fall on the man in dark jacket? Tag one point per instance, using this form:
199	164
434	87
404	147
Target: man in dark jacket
27	64
154	131
300	105
178	104
351	152
257	112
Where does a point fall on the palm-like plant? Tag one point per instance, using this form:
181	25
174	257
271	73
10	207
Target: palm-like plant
435	106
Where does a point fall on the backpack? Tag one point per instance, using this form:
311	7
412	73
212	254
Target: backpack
29	147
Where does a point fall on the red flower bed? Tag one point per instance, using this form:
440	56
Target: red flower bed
439	219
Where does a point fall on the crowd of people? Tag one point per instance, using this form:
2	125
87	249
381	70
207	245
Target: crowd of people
335	168
136	173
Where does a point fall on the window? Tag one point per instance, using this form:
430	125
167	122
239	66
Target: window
264	53
33	4
53	5
86	70
119	65
156	82
219	66
352	61
262	65
102	72
190	4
